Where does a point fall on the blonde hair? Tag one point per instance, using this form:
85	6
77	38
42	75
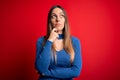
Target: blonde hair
67	42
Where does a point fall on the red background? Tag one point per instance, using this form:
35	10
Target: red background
96	23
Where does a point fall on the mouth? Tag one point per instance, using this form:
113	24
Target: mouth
58	24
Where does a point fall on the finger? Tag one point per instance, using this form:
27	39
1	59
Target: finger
55	30
57	35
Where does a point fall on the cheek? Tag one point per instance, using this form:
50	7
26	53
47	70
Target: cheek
53	22
63	22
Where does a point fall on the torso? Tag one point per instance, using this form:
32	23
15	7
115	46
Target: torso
63	58
58	44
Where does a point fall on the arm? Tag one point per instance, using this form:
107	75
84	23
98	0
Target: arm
42	55
72	71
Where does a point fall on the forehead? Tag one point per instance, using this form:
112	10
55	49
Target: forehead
57	11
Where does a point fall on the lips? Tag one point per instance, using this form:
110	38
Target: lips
58	24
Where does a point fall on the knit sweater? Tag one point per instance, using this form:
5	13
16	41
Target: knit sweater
62	69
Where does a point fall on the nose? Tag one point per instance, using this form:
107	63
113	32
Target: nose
57	19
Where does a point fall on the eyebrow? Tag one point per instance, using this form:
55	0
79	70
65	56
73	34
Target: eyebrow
59	13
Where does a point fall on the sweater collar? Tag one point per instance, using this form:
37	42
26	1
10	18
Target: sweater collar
61	36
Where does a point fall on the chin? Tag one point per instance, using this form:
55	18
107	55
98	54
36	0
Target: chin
60	29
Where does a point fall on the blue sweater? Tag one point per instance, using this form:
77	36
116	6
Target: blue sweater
62	69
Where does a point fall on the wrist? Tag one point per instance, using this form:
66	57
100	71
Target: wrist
50	40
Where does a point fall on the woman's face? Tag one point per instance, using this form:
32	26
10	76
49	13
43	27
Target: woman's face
58	19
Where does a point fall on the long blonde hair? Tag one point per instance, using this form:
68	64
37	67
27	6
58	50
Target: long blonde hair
67	42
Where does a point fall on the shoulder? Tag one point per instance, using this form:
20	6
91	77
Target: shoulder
40	39
76	44
75	39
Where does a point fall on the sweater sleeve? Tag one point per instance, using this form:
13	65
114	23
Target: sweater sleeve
42	55
72	71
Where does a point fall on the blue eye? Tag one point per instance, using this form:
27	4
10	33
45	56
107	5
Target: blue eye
62	16
54	16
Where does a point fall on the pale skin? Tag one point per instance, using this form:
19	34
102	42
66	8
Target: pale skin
57	20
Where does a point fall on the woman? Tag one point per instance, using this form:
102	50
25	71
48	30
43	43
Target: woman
58	54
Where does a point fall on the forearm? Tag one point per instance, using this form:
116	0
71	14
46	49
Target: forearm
63	72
